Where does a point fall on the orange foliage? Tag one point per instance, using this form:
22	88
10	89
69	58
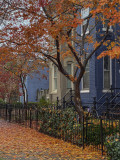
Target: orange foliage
113	53
34	24
9	85
34	30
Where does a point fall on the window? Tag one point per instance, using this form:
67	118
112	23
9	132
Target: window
106	21
69	70
105	24
86	79
54	78
84	14
106	65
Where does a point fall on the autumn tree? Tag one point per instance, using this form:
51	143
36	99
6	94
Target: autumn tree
15	49
63	22
22	65
9	85
78	17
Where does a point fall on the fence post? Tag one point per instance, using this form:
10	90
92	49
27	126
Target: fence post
19	115
37	119
86	129
63	102
57	101
111	89
30	118
101	134
25	109
10	111
15	114
107	108
94	105
71	96
83	133
119	129
6	108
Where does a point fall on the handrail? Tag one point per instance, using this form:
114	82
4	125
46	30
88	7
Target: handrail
115	97
108	99
68	99
114	88
115	105
104	95
61	100
67	93
103	103
107	92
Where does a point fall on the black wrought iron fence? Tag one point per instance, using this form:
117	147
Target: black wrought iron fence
97	129
64	124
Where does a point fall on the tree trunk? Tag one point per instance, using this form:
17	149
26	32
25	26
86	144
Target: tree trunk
26	93
23	91
78	103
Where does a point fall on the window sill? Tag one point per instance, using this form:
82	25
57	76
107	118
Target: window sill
84	91
106	90
54	92
110	29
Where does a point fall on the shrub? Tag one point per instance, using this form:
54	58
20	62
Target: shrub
43	102
60	123
1	100
32	105
17	104
112	145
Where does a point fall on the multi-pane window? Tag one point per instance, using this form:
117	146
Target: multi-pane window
69	70
84	14
86	79
55	78
106	65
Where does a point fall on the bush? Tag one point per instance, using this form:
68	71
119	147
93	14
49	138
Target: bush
17	104
1	101
60	123
43	102
112	145
32	105
93	131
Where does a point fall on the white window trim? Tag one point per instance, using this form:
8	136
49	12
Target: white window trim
85	90
70	62
106	89
105	29
53	90
87	31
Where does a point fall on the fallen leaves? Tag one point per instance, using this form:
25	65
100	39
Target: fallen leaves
17	142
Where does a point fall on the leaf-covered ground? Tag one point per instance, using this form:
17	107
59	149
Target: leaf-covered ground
20	143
